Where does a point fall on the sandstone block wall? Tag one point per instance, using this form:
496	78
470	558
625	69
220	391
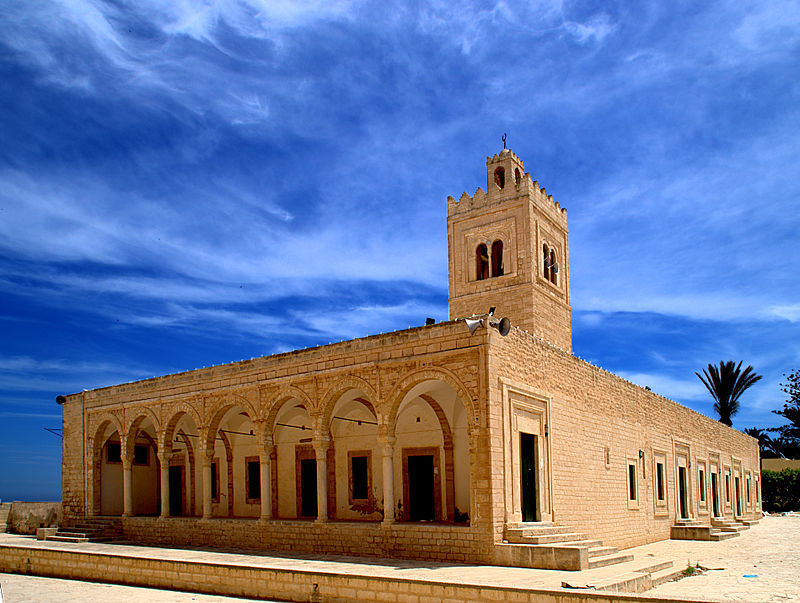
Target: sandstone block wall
598	424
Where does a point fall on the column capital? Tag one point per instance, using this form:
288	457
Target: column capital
321	444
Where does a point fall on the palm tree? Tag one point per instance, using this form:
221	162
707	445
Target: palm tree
726	384
765	443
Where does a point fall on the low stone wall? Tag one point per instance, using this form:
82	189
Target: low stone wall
26	517
274	584
461	544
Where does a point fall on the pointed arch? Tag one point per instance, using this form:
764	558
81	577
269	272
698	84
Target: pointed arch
336	391
497	258
430	374
291	392
481	262
141	414
175	414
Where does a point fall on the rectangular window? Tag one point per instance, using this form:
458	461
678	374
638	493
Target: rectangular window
360	475
359	468
140	454
113	452
660	482
728	488
215	480
748	490
702	484
758	492
632	485
253	479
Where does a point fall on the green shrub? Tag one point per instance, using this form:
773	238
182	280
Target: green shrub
780	490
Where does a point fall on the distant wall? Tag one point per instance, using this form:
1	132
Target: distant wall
779	464
25	517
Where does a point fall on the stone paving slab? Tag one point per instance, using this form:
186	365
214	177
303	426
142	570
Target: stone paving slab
768	551
34	589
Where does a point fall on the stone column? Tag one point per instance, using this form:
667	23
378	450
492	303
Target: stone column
387	454
321	453
163	460
207	458
266	481
127	487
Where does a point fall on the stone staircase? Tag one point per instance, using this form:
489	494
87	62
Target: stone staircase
543	545
5	511
720	529
89	529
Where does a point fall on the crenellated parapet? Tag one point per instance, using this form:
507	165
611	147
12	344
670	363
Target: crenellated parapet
506	179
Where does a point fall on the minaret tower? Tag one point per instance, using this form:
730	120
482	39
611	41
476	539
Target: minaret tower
509	248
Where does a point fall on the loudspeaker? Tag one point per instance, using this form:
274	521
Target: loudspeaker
473	324
503	325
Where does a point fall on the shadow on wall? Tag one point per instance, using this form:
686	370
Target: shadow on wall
25	517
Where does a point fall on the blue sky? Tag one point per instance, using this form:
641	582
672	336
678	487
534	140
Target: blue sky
184	184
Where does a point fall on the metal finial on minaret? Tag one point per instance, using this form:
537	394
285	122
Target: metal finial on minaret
504	140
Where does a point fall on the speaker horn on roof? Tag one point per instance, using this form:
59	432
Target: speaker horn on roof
473	324
503	325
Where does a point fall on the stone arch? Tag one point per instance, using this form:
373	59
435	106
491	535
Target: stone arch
336	391
408	382
101	422
449	461
252	409
289	393
176	413
213	425
141	414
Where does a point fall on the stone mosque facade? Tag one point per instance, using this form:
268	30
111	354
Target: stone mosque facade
459	441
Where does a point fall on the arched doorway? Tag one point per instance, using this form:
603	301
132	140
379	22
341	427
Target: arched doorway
235	465
294	462
354	459
431	455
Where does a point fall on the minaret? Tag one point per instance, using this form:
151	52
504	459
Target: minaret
509	248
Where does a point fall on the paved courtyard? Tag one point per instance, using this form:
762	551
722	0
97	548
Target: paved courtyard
762	565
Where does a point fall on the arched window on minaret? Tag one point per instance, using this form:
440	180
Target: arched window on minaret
553	267
517	176
546	263
482	262
500	177
497	258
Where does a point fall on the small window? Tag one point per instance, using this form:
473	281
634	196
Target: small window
113	452
632	482
553	267
360	485
500	177
482	262
253	479
141	454
758	492
702	484
517	176
748	490
497	258
546	263
727	488
215	481
661	497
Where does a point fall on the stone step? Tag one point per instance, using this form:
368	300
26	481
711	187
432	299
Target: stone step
576	543
529	524
717	536
637	577
598	551
731	528
665	575
554	538
58	538
604	560
538	531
